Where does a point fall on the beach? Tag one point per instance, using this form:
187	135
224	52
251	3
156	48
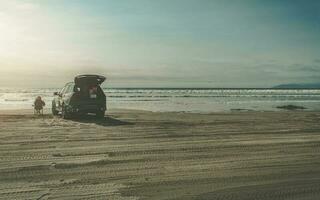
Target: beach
134	154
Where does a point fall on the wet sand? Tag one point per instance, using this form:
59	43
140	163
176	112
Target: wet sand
145	155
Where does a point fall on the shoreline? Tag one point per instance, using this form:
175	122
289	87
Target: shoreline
193	101
48	111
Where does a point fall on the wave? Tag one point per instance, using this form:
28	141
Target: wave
16	100
213	96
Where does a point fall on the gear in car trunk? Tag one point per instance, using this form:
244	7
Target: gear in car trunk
89	88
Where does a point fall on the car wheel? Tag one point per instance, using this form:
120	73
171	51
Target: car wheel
54	109
100	114
64	113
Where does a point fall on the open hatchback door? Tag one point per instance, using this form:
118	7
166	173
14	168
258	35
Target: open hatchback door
89	80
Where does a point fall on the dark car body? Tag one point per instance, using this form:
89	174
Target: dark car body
82	96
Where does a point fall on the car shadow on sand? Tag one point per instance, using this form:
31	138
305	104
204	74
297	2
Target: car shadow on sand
105	121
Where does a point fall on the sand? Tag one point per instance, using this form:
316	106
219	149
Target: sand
144	155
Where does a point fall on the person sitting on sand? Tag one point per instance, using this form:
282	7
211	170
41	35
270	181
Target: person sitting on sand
39	104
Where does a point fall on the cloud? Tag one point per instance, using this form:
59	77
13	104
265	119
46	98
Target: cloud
19	6
317	60
310	68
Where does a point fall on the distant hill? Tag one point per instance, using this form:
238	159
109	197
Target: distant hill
299	86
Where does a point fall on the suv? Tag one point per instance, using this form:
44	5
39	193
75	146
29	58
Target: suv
82	96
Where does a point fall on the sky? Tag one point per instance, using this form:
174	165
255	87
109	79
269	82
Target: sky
166	43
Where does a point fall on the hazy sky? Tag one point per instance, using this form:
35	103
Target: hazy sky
157	43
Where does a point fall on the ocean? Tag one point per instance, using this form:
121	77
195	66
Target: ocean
201	100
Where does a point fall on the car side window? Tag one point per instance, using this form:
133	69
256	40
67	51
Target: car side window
63	89
70	88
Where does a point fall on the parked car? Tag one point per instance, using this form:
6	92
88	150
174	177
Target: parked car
82	96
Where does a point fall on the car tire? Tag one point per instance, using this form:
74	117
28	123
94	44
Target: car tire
100	114
54	109
64	113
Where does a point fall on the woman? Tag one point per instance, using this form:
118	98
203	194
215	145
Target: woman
39	104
